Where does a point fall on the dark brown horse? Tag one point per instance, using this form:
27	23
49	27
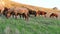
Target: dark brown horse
53	15
10	12
41	13
5	11
32	12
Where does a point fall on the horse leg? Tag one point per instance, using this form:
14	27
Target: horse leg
23	15
8	15
35	15
20	15
44	15
13	16
26	16
0	12
16	16
50	16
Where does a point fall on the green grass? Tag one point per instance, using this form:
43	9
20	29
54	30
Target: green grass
36	25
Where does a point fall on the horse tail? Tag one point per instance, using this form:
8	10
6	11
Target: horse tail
50	15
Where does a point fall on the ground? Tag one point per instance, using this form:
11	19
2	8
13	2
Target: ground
36	25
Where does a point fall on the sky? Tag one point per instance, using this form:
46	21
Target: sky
41	3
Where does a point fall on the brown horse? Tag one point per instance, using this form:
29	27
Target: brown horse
31	12
18	11
21	11
9	12
4	11
53	15
41	13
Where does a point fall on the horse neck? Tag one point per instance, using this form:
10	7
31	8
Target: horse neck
5	9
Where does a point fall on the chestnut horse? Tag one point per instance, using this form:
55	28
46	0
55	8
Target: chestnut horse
18	11
53	15
41	13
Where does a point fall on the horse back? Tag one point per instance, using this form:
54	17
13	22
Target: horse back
21	10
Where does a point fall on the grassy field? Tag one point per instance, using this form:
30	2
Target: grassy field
36	25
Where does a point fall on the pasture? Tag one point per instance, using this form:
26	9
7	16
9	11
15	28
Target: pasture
36	25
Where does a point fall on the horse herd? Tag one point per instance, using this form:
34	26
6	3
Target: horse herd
23	12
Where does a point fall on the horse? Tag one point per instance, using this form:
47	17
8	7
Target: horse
5	11
53	15
10	12
31	12
18	11
22	11
41	13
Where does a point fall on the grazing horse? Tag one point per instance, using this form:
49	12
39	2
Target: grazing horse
41	13
53	15
32	12
18	11
5	11
10	12
22	11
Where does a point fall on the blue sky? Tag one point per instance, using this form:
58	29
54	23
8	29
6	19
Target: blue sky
41	3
